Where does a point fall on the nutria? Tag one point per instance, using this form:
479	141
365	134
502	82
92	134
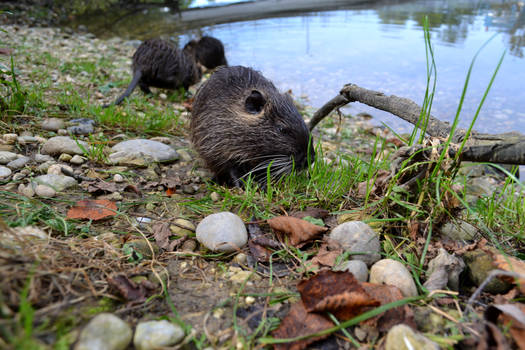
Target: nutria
161	64
241	123
209	51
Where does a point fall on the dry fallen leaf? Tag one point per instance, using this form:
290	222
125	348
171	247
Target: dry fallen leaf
100	186
299	230
513	317
327	255
92	209
511	264
337	292
299	322
386	294
130	290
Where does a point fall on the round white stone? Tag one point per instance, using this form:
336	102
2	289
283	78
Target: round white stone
105	332
4	171
45	191
358	268
156	334
358	237
223	232
394	273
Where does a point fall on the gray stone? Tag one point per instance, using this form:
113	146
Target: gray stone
56	169
118	178
156	334
19	176
52	124
224	232
45	191
57	182
44	167
105	332
77	160
482	186
158	151
62	132
124	158
6	157
182	227
185	156
41	158
63	144
4	172
394	273
26	139
479	265
358	237
402	337
18	163
459	230
27	191
81	129
358	268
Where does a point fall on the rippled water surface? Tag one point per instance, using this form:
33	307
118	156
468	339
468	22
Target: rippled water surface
381	47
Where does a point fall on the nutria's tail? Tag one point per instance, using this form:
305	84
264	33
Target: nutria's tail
136	78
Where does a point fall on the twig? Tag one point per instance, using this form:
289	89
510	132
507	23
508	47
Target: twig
328	107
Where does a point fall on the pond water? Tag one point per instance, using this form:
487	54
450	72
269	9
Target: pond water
376	46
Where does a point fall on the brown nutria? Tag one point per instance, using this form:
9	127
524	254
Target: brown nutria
209	51
241	124
161	64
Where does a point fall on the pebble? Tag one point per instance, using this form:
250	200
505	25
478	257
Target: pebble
77	160
6	157
163	96
356	236
189	246
402	337
394	273
4	172
224	232
142	247
451	264
157	151
62	132
57	182
240	259
182	227
18	163
479	265
105	332
481	186
63	144
41	158
459	230
26	190
165	140
215	196
10	139
83	126
156	334
19	176
64	157
56	169
44	167
188	189
40	139
52	124
118	178
185	156
26	139
45	191
358	268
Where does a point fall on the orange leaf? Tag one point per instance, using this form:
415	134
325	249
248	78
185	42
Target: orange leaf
298	230
327	254
92	209
170	192
511	264
299	322
335	291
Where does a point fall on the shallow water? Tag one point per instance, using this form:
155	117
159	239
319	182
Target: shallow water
381	48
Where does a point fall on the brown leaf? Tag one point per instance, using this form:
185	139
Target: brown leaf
298	230
386	294
132	188
259	252
162	233
335	291
130	290
100	186
513	317
6	51
92	209
327	255
299	322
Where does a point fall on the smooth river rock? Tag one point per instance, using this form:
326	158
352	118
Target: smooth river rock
105	332
142	148
394	273
6	157
63	144
156	334
402	337
52	124
57	182
358	237
4	171
223	232
358	268
18	163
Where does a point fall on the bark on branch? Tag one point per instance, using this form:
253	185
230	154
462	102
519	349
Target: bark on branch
508	148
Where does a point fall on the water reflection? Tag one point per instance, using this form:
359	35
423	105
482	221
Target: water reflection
377	47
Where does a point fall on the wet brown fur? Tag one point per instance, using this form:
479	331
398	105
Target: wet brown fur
209	51
241	122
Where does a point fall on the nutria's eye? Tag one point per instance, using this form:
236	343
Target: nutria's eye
255	102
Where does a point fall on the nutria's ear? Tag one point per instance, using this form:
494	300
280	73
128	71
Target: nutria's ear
255	102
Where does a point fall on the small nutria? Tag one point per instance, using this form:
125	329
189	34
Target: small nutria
241	123
160	64
209	51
